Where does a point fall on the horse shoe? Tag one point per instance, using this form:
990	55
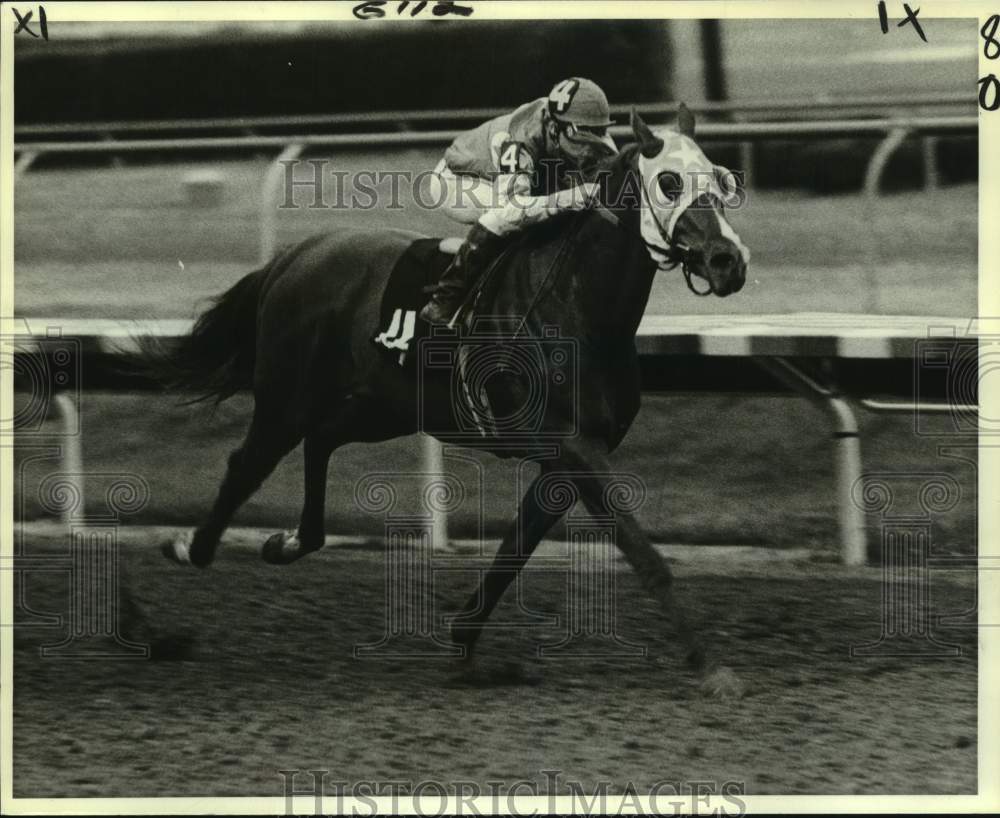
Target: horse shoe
178	548
282	548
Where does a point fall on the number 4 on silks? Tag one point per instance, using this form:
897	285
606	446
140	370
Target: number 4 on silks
510	158
562	95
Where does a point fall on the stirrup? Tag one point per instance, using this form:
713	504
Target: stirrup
437	316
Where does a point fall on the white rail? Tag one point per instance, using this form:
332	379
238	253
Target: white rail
712	131
405	119
774	342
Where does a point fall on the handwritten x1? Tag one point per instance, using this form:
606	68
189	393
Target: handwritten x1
22	22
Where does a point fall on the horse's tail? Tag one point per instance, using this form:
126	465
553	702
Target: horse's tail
216	359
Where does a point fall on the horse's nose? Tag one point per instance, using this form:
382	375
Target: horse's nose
726	267
722	260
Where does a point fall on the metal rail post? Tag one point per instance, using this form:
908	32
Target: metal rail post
746	163
24	161
873	177
909	407
72	458
433	468
847	452
268	215
932	178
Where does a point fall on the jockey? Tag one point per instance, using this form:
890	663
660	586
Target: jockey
496	177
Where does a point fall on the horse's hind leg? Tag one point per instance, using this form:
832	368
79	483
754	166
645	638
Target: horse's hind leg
285	547
270	437
356	420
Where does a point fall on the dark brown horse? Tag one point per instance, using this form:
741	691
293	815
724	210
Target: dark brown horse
298	332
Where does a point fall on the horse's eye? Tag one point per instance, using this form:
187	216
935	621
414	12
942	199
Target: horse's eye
671	185
728	181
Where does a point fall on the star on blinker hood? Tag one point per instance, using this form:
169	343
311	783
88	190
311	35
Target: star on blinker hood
687	153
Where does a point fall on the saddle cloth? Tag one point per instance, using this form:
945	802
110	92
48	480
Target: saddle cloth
419	267
401	328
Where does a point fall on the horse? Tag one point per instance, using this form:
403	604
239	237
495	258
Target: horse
298	332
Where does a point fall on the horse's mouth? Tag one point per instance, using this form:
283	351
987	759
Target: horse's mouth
722	283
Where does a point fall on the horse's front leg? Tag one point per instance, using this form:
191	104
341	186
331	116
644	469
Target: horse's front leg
534	518
588	467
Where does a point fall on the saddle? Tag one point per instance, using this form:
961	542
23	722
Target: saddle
401	329
416	271
413	277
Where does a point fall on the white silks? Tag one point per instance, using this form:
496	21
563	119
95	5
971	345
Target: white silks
521	210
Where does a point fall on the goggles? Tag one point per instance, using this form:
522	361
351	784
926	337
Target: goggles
592	135
583	131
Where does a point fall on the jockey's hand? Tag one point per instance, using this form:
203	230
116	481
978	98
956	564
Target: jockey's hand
512	186
573	198
521	211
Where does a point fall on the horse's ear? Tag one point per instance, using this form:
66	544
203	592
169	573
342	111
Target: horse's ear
685	121
649	144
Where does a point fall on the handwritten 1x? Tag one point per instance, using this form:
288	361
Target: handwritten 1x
911	18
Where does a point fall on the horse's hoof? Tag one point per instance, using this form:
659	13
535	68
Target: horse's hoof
508	673
178	549
464	636
283	548
467	673
722	683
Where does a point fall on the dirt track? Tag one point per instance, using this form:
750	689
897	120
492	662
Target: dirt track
269	682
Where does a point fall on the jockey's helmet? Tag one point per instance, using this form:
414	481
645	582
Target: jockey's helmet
580	116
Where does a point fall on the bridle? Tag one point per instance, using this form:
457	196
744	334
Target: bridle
677	252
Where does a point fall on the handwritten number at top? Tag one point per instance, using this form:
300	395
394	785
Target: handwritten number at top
989	86
376	9
23	21
911	18
991	46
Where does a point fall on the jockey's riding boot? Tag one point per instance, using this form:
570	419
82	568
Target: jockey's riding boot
473	257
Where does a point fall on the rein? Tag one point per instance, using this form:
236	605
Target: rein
678	254
556	266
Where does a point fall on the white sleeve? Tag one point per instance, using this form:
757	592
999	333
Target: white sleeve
512	185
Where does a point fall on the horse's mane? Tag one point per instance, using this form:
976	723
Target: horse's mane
626	154
618	161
